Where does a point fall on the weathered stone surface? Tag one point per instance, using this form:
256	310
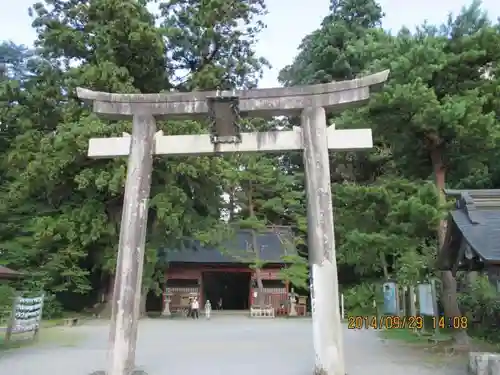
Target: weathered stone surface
129	268
263	103
134	372
339	140
484	363
325	309
494	366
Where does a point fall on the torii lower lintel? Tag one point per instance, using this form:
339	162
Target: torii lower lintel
199	144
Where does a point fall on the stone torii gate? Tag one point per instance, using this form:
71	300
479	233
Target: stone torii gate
311	103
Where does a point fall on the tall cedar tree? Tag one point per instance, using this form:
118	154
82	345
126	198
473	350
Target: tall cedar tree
108	45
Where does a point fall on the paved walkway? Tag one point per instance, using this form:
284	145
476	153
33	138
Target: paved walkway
224	345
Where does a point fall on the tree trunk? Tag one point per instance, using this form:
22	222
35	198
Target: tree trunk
448	281
385	268
232	205
261	299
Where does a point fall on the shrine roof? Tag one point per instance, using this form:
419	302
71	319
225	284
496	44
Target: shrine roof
7	273
476	218
272	245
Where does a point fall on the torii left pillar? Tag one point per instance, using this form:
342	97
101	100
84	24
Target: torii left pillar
128	276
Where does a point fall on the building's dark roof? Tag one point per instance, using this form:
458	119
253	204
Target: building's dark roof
7	273
273	245
477	217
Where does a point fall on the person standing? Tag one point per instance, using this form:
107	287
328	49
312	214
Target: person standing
195	308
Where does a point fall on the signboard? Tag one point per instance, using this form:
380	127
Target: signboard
390	298
26	316
425	299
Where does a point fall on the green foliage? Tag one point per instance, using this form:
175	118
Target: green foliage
481	304
60	211
6	299
335	50
358	299
387	227
52	308
213	40
436	118
297	273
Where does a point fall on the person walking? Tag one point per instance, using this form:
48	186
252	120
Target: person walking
189	311
195	308
219	304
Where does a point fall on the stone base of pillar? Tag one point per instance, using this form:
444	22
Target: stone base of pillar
321	372
134	372
481	363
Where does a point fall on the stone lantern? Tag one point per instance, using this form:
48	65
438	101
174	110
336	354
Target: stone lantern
166	307
292	296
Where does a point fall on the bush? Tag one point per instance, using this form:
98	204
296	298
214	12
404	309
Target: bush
52	308
480	302
358	300
6	298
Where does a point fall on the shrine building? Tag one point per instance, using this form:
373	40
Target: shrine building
473	234
6	274
224	274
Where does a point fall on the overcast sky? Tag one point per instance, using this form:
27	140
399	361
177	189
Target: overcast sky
288	22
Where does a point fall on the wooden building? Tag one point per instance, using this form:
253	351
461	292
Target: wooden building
472	241
224	275
8	274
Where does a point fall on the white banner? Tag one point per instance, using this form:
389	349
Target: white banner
27	314
30	301
425	299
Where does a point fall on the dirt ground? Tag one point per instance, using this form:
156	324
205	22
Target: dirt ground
222	345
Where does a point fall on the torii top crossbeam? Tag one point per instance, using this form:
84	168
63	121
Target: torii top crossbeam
263	103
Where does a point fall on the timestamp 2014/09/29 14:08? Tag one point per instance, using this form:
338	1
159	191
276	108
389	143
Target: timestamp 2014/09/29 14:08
406	322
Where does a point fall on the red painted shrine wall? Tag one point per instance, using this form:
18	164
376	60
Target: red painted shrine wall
275	295
192	282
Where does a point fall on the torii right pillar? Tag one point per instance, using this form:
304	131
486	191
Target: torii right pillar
324	288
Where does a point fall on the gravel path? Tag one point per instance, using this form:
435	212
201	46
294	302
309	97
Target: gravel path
222	346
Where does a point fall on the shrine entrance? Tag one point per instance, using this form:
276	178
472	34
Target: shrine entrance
227	290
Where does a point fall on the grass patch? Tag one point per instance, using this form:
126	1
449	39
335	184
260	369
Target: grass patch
401	335
437	341
17	341
412	337
59	336
434	348
438	347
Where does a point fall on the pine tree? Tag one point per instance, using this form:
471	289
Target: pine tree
261	196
